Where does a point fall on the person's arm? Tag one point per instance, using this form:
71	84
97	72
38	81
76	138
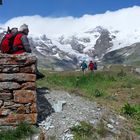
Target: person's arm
25	43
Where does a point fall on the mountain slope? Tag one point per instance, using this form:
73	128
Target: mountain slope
127	55
98	44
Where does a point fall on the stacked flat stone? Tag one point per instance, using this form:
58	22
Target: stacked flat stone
17	89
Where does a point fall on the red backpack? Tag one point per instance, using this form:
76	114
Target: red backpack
6	45
91	66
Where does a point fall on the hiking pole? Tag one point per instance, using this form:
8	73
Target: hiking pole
8	30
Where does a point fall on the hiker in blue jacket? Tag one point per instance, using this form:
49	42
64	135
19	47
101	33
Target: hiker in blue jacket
83	66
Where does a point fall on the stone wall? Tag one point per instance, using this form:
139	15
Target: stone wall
17	89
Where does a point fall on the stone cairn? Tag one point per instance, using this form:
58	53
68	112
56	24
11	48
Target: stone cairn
17	89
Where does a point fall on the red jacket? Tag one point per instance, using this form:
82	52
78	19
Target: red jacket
17	45
91	66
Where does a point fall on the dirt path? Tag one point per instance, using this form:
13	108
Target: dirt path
63	110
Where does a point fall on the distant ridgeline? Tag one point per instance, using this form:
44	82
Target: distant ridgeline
17	89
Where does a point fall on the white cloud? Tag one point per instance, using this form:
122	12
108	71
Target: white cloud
126	20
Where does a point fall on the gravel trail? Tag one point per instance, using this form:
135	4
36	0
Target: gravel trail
67	110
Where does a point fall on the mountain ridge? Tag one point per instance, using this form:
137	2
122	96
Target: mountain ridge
97	44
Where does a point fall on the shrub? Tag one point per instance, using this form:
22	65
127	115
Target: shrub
137	129
121	73
86	131
21	131
101	129
83	129
98	93
129	109
127	85
111	78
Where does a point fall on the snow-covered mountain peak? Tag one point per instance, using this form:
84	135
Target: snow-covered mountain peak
98	29
93	43
72	39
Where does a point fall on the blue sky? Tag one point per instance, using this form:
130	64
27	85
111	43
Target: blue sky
60	8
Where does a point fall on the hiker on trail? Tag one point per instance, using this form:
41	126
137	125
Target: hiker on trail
21	45
95	66
83	66
21	42
91	66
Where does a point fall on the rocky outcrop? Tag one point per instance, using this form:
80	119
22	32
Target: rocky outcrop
103	43
17	89
128	55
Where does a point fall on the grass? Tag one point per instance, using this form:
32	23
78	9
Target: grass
70	81
22	131
86	131
111	88
131	110
99	84
82	131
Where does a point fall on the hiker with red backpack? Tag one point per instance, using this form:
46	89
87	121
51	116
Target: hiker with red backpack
20	44
16	42
6	45
91	66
